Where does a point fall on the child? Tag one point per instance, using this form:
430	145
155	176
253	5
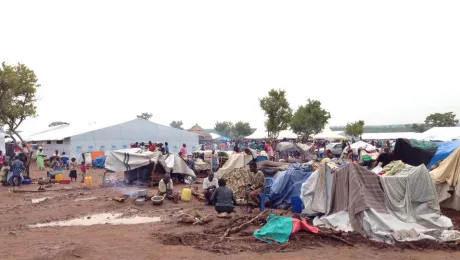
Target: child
4	172
73	169
83	171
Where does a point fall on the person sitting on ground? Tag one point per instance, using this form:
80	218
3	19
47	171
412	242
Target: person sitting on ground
223	199
165	187
56	167
256	186
209	185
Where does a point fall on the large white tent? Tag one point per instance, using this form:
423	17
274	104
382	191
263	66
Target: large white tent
390	136
78	139
441	134
328	134
261	133
2	140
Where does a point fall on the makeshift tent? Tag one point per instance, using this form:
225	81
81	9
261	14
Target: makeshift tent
358	203
238	160
287	184
443	151
446	177
286	146
130	159
414	152
441	134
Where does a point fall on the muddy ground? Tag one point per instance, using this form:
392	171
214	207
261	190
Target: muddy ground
166	239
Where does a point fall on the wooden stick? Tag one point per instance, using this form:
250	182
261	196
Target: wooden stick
121	200
335	238
241	226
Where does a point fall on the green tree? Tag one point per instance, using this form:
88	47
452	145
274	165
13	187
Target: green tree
145	116
441	119
309	119
224	128
56	123
277	111
176	124
355	129
18	89
419	128
241	130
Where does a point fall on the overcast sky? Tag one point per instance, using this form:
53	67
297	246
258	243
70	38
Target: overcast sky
383	62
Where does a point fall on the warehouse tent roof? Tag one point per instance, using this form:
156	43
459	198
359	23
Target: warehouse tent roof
441	134
64	131
390	136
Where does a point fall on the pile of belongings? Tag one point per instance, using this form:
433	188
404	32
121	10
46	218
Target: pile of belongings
270	168
446	177
402	206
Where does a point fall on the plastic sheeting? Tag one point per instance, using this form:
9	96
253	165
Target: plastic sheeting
287	184
238	160
99	162
444	150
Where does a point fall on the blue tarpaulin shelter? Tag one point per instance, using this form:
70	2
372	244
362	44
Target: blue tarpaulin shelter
443	151
287	184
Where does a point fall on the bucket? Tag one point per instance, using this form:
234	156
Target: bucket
59	177
296	203
186	194
88	181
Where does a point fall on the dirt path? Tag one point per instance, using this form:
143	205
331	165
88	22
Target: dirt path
162	240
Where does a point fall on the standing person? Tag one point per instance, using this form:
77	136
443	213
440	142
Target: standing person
17	167
223	198
215	146
2	158
83	171
166	148
222	146
40	159
183	150
65	160
209	185
73	169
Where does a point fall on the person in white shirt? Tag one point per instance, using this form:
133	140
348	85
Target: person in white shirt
165	187
209	185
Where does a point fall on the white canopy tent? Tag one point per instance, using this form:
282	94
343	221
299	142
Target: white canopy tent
261	133
390	136
331	136
441	134
214	136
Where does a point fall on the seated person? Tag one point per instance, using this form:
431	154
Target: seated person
223	198
209	185
165	187
17	167
56	167
257	186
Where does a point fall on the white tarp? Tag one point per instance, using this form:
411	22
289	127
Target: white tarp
130	159
330	135
360	144
238	160
390	136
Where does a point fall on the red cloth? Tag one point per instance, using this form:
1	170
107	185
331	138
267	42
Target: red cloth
298	225
152	148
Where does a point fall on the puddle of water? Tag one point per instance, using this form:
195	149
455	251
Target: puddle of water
83	199
34	201
99	219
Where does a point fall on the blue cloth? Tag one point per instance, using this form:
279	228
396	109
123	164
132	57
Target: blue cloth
287	184
261	158
99	162
443	151
223	139
278	228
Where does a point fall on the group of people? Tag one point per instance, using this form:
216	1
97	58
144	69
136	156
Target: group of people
11	172
60	162
160	147
221	197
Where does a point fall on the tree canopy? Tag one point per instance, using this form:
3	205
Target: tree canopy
56	123
355	129
419	128
18	89
441	119
224	128
309	119
145	116
238	130
241	129
176	124
277	111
